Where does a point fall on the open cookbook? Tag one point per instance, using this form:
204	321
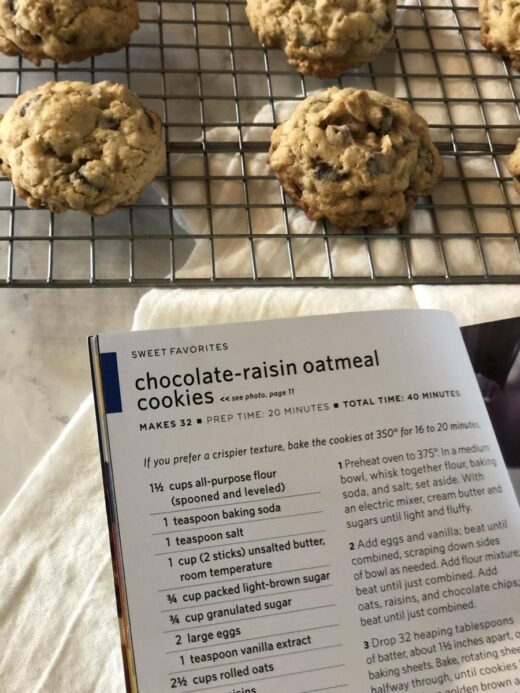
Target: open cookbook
314	504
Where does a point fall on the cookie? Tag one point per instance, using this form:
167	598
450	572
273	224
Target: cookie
324	37
513	164
73	145
65	30
355	157
500	28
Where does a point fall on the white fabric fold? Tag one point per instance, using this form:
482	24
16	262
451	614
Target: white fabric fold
164	308
58	621
471	304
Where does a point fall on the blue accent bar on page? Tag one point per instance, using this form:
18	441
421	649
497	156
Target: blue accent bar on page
110	378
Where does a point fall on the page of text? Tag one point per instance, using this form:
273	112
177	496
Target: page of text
316	504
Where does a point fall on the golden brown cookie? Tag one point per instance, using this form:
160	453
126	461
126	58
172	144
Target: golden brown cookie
355	157
325	37
73	145
500	28
65	30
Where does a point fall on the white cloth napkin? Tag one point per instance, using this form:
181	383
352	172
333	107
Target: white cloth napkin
58	621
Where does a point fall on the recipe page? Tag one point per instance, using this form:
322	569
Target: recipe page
312	504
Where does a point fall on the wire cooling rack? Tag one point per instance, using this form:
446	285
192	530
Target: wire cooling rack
218	216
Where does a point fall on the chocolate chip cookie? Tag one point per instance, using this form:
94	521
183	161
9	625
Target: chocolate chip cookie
500	28
356	157
65	30
73	145
513	164
324	37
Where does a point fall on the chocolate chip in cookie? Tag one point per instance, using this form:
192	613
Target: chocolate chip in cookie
109	122
324	171
28	104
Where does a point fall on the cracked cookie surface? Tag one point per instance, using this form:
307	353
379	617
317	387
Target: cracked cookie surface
355	157
324	37
500	28
73	145
65	30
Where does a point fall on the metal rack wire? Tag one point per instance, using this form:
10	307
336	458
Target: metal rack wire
220	94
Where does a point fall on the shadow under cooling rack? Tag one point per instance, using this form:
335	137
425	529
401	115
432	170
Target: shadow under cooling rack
218	216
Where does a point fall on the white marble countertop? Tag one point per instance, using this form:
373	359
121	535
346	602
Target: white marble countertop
44	367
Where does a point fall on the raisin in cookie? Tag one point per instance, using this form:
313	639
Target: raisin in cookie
513	164
355	157
73	145
65	30
500	28
324	37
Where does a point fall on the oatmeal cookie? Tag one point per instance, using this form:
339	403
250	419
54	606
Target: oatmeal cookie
500	28
73	145
324	37
356	157
65	30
